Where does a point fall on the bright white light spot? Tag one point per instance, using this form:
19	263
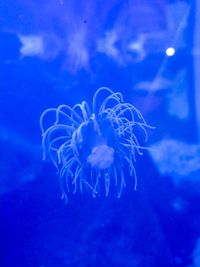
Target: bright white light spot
170	51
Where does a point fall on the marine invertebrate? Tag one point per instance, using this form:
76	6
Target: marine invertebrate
93	147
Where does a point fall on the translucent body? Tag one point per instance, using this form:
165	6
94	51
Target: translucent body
90	147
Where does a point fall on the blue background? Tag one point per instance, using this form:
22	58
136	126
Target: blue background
61	52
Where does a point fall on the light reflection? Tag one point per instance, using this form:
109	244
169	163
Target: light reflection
170	51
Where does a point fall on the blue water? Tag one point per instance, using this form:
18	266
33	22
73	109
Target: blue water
61	52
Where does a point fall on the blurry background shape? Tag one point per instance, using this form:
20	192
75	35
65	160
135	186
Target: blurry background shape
177	159
158	84
177	97
197	65
32	45
107	45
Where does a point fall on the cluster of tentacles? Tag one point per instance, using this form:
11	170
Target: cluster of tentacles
92	147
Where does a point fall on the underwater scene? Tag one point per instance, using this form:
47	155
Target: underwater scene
100	133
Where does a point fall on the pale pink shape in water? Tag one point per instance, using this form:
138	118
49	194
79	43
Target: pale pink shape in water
102	157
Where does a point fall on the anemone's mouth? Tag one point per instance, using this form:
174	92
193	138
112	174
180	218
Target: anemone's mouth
102	157
96	143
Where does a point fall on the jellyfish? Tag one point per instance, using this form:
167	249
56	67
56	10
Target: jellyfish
94	148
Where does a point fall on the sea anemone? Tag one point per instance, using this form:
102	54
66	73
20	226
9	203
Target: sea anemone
93	148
